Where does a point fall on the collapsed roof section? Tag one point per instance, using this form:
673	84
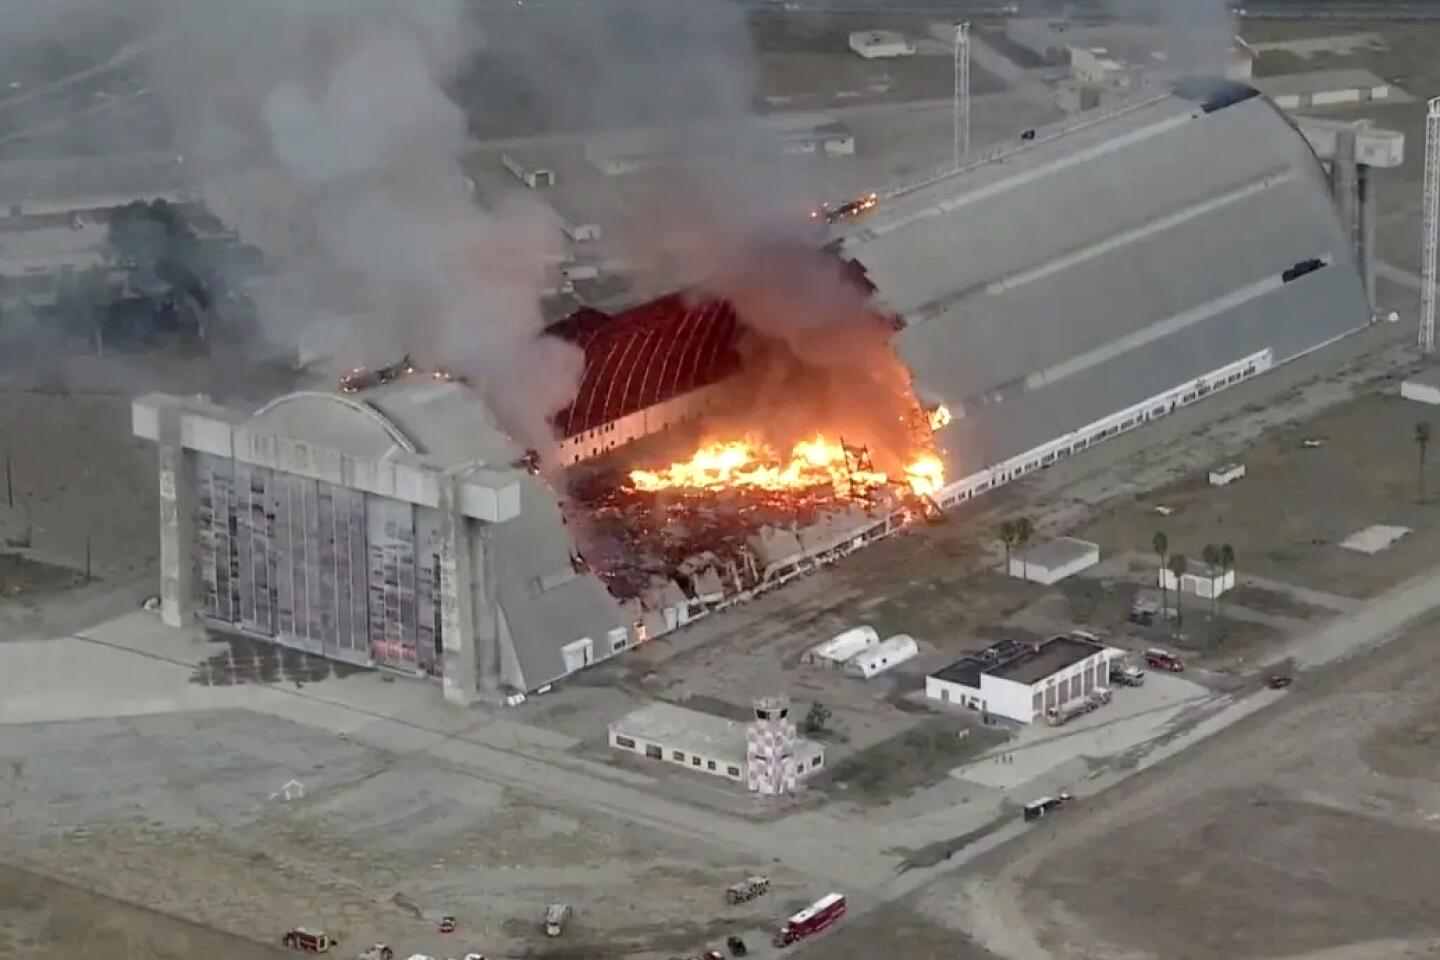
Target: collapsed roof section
646	355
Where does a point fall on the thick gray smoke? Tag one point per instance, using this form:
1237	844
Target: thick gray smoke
323	132
1197	33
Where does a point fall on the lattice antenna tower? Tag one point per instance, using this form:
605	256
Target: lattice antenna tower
1429	224
962	92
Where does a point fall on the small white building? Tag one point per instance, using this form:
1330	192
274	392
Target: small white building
1055	560
528	170
875	660
1202	585
838	650
1424	387
700	742
1021	681
1322	88
1226	473
880	44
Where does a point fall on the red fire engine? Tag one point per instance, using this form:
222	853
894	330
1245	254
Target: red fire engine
307	941
811	920
1163	660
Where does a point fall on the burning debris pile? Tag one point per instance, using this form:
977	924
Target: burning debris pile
737	517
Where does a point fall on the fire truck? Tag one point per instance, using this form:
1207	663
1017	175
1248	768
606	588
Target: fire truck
307	941
1158	659
811	920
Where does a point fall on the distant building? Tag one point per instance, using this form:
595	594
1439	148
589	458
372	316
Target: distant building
880	44
1324	88
528	170
1052	562
1021	681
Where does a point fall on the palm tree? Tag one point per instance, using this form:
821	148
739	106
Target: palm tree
1178	566
1161	543
1227	559
1422	440
1008	536
1024	530
1211	556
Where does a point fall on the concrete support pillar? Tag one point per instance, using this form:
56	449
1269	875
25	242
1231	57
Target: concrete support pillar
457	608
1365	177
177	521
1344	186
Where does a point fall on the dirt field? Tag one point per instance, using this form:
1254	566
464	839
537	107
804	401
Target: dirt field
378	848
1306	830
1288	515
41	919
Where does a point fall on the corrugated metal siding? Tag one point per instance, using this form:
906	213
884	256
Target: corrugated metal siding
285	556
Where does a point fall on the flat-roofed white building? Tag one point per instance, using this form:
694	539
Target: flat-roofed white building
880	44
701	742
1021	681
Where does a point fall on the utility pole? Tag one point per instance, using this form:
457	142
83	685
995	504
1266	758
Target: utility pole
962	92
9	484
1429	224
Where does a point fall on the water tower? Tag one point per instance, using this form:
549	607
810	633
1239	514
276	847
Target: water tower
770	748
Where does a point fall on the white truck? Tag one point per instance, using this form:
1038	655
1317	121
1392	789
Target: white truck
1126	674
1061	714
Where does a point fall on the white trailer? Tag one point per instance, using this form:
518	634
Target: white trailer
876	660
839	649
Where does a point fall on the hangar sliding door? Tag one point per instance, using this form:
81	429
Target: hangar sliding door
390	530
216	559
319	568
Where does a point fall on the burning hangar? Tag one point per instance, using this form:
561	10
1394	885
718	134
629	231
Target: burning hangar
1061	290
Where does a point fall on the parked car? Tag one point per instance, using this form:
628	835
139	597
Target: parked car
736	946
377	951
555	916
1278	681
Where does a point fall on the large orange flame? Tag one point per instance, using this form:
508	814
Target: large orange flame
753	463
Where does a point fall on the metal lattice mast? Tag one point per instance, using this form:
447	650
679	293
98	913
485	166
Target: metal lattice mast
962	91
1429	224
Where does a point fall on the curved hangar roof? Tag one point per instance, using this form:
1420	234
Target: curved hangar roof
1084	272
646	355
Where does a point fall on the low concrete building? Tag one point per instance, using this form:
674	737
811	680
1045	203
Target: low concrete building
1424	387
1203	585
1324	88
1052	562
701	742
531	171
880	44
1021	681
1226	473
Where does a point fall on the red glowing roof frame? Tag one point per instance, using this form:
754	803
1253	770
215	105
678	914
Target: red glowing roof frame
659	350
646	355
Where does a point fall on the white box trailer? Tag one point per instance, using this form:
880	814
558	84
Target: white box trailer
877	659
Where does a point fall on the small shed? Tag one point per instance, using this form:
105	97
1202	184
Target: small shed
1424	387
1052	562
878	44
1226	473
877	659
839	649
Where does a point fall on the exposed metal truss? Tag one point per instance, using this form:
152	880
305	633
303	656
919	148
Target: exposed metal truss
1429	223
962	92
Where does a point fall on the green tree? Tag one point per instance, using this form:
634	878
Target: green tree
1009	536
1178	566
1227	559
1211	556
1422	440
1161	543
1024	531
816	719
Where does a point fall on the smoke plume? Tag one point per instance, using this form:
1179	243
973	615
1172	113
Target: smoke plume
324	133
1197	33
